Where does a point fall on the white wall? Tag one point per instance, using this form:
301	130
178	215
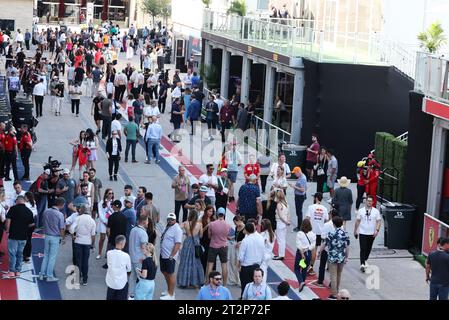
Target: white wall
404	19
19	10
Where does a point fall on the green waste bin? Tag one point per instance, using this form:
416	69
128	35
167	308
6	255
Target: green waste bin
295	155
398	219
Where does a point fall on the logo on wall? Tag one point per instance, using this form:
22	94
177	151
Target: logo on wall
431	236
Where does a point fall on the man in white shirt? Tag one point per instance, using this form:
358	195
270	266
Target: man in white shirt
251	255
177	93
210	181
38	94
323	254
281	162
367	227
153	138
170	245
187	80
18	192
234	161
83	230
116	125
19	38
119	267
318	215
283	289
128	190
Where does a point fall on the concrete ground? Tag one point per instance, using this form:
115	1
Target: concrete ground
398	277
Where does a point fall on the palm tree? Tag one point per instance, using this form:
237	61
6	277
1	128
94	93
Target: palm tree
152	7
207	3
238	7
433	38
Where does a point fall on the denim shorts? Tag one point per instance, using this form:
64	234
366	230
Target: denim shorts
232	175
167	265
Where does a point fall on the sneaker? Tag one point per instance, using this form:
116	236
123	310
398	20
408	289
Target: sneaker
84	283
105	266
362	268
131	298
126	160
115	177
148	162
98	257
17	274
332	297
311	272
301	287
135	161
164	293
158	161
278	258
53	279
168	297
110	178
41	277
9	275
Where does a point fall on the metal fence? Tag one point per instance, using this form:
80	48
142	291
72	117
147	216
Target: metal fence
432	73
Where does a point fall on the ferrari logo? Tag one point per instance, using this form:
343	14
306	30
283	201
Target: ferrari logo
431	236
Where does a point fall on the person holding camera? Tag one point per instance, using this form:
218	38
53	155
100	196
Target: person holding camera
11	152
367	226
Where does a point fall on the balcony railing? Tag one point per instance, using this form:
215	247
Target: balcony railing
432	73
301	38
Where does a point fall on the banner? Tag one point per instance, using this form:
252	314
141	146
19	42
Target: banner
433	229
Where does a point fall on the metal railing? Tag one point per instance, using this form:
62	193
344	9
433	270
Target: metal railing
432	73
268	136
302	38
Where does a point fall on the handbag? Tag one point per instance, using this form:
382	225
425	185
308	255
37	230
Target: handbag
320	172
198	251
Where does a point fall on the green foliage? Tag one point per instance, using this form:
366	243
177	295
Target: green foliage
209	74
400	163
207	3
156	8
433	38
237	7
380	145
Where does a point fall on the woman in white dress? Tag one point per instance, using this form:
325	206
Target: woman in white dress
279	181
282	222
129	48
266	231
92	145
104	212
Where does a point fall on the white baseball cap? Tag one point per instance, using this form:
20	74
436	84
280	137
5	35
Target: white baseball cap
47	171
171	216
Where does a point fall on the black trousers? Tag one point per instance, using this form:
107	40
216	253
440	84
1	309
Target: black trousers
62	68
366	244
224	126
221	201
263	180
39	100
161	103
113	294
360	193
152	91
11	159
178	206
320	180
160	63
106	128
2	163
299	201
246	275
27	249
113	164
323	261
119	92
136	91
12	95
27	44
25	155
76	106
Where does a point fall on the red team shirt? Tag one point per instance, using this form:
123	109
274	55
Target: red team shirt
252	169
10	143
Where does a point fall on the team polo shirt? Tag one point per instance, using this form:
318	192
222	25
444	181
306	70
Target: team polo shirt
25	141
252	169
10	143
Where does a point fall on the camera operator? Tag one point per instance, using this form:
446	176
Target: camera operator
42	190
11	152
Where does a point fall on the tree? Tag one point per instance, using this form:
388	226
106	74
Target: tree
166	10
209	74
207	3
433	38
152	7
238	7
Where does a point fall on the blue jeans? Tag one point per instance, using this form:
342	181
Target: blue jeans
232	175
82	259
299	201
130	144
151	143
15	249
144	290
438	291
50	252
300	273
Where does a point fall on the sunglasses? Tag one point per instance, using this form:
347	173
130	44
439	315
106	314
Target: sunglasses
344	298
110	193
217	279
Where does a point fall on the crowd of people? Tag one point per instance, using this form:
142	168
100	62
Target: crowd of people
189	244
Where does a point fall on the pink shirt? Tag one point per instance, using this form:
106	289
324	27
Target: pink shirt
218	231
